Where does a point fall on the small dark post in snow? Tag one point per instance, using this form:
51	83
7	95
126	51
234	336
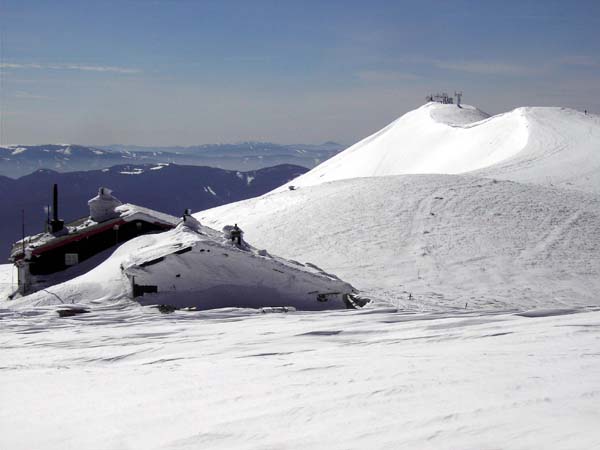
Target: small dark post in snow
236	235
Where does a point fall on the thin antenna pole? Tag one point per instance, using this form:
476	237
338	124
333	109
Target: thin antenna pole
23	231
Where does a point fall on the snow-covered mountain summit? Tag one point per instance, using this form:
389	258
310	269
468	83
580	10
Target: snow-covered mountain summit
531	144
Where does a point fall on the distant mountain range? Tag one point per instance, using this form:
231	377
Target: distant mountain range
16	161
168	188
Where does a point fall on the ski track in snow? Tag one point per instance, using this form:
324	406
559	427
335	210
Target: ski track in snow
449	240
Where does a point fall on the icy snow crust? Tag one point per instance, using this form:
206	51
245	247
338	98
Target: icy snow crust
550	146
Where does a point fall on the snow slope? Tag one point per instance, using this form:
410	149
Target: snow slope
563	150
550	146
446	239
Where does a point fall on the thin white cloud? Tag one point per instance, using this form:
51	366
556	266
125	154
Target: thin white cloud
381	76
80	67
31	96
481	67
248	59
511	69
485	67
580	60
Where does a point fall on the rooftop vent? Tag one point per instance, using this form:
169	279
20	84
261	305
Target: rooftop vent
102	207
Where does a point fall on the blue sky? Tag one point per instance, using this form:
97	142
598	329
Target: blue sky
190	72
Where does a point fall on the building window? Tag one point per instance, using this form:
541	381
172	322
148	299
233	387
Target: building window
71	259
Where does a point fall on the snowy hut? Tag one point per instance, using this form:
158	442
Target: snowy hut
196	266
64	252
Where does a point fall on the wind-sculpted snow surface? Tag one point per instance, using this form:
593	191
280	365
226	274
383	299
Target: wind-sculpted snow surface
549	146
127	377
563	149
417	143
444	240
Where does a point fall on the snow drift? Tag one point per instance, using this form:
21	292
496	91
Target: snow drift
198	267
550	146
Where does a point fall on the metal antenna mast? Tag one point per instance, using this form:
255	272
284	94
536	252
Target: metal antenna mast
458	97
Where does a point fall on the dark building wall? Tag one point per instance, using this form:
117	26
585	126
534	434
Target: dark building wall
53	260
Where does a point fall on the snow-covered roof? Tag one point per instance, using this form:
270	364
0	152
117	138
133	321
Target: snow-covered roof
130	212
195	233
125	213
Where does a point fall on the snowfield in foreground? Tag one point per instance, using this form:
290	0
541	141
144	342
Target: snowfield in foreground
129	377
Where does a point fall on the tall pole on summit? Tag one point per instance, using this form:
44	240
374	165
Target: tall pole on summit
458	97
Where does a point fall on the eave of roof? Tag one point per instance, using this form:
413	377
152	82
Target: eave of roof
128	213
